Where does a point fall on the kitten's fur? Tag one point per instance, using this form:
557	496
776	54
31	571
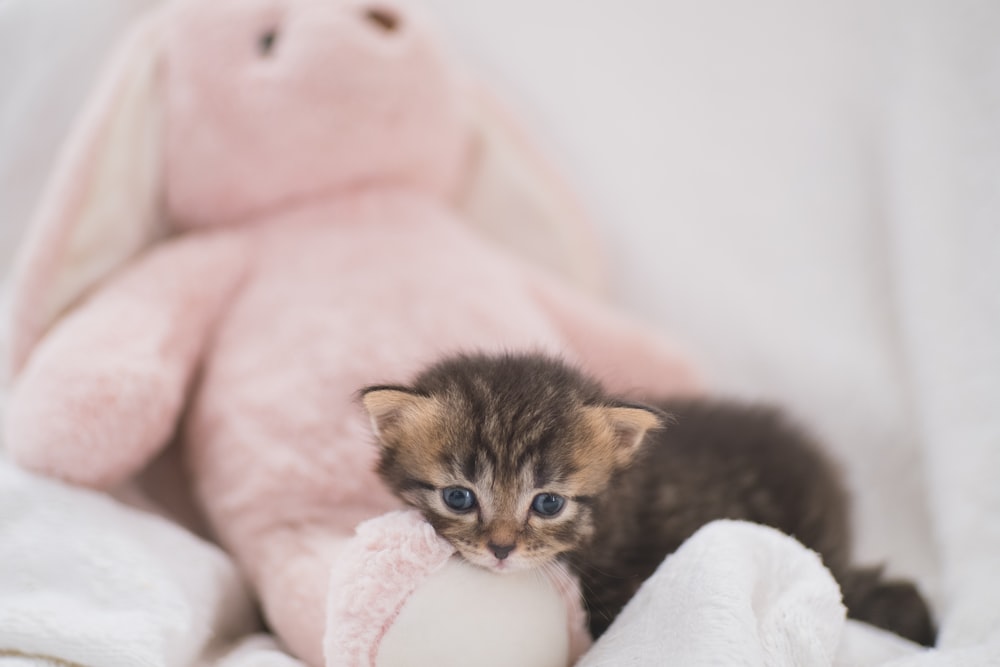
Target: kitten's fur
638	480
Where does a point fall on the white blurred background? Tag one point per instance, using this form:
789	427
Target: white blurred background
789	189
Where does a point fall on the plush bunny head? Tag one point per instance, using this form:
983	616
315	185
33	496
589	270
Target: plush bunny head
270	102
222	112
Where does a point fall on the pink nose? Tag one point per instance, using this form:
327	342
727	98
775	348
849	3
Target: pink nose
501	551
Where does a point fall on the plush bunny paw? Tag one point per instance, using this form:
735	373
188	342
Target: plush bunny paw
88	424
388	559
398	597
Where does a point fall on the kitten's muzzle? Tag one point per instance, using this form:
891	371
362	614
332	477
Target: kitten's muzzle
501	551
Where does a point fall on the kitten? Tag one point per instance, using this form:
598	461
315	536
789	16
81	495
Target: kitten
519	460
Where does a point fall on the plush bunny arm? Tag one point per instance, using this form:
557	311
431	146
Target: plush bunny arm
103	390
627	357
398	598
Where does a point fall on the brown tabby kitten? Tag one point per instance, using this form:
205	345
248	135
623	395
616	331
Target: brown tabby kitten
519	460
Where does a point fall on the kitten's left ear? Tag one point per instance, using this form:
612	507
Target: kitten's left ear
624	427
395	411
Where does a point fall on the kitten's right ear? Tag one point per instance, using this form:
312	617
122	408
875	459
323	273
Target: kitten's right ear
623	427
395	411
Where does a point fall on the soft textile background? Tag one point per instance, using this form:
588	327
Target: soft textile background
807	195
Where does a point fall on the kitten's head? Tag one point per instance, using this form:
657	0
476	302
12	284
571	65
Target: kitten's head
504	455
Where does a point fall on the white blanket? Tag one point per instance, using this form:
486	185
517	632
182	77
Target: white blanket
88	581
740	594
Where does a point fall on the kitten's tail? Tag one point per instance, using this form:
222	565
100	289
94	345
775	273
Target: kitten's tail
894	605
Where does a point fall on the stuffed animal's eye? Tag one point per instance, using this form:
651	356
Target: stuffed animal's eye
266	41
458	499
547	504
382	18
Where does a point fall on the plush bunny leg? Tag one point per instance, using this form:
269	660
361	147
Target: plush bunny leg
393	596
315	581
103	391
626	356
291	566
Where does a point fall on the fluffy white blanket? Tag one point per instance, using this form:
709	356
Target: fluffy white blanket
87	581
739	594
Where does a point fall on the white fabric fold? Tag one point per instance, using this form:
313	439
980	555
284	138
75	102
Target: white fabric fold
91	582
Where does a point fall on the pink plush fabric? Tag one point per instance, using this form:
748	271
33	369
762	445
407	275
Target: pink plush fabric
377	572
314	248
389	558
336	103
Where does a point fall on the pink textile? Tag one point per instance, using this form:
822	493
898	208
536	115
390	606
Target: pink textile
267	206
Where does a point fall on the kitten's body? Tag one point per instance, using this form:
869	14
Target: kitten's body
517	430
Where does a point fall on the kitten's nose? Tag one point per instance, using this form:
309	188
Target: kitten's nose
501	551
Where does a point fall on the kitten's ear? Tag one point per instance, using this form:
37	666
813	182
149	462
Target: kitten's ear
396	411
624	427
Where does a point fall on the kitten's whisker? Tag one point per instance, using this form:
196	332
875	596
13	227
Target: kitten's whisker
563	579
544	573
588	592
557	574
553	575
590	566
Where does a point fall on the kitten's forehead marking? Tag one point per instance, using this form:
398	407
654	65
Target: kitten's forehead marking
487	499
511	446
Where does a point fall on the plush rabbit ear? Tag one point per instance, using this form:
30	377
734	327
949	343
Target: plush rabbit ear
103	202
513	196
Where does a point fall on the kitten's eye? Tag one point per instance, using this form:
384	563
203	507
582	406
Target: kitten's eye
547	504
458	499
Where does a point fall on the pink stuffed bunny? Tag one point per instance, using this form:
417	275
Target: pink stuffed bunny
268	205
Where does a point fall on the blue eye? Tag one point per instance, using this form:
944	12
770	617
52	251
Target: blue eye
547	504
458	499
